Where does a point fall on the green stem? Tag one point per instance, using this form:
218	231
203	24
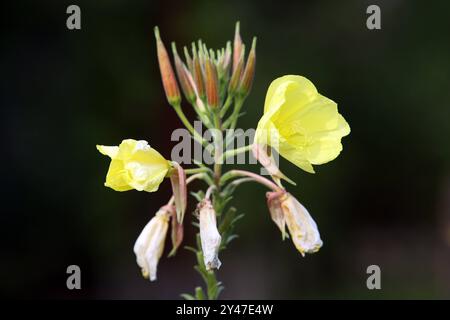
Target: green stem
188	125
225	218
236	111
196	170
213	287
231	122
226	106
255	177
202	116
218	145
234	152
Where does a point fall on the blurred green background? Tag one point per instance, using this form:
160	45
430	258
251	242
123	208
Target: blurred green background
384	201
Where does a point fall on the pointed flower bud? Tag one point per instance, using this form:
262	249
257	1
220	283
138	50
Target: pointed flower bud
223	66
179	189
183	76
302	227
237	74
226	60
149	245
197	73
211	84
188	58
249	72
167	75
237	47
198	101
209	235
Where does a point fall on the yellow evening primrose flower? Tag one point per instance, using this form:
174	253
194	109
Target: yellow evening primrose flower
134	165
301	124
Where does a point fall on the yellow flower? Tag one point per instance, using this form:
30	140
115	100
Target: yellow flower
134	165
301	124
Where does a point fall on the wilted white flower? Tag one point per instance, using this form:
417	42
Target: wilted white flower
209	235
149	245
285	209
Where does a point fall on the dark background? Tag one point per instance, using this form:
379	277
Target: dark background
384	201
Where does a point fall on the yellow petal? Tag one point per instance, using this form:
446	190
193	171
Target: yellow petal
296	156
117	176
288	88
108	151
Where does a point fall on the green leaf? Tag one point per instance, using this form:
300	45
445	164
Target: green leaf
227	220
231	238
199	195
187	296
192	249
196	224
202	273
239	217
219	290
199	294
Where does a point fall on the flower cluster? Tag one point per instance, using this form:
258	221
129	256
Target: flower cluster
298	123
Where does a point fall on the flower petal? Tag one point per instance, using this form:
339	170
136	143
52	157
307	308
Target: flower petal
302	227
110	151
209	235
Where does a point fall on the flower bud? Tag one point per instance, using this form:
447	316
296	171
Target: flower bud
183	76
149	245
211	84
249	72
167	75
223	64
197	73
209	235
188	58
226	59
237	47
237	74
